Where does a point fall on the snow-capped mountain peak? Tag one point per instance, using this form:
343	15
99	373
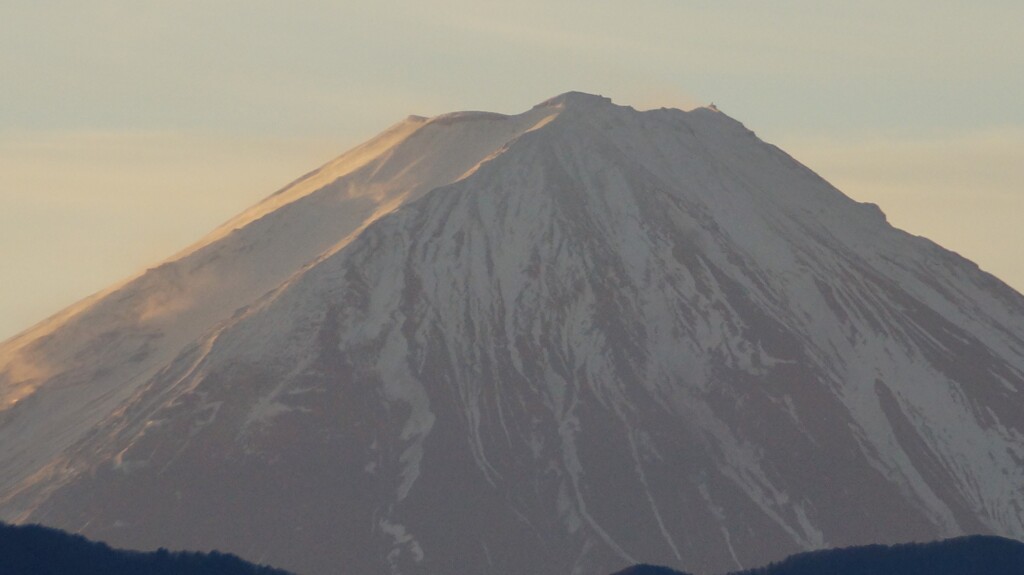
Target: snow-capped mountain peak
561	341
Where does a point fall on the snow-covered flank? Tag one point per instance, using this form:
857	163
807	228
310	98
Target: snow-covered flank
557	342
88	359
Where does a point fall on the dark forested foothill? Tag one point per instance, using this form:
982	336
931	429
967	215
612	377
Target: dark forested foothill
649	570
37	550
973	555
961	556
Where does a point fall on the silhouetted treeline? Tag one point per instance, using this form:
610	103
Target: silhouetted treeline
644	569
961	556
37	550
973	555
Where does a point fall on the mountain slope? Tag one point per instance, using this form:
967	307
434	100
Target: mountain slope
91	357
609	337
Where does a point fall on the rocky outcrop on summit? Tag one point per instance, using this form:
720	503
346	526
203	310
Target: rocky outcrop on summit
565	341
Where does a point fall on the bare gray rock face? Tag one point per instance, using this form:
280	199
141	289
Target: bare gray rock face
565	341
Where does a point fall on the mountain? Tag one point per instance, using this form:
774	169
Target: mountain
37	550
564	341
973	555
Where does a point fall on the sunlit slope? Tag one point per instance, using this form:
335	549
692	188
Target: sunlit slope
63	375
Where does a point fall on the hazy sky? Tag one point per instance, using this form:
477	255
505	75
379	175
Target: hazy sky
129	128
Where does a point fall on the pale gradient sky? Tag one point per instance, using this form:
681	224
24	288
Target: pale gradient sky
128	129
